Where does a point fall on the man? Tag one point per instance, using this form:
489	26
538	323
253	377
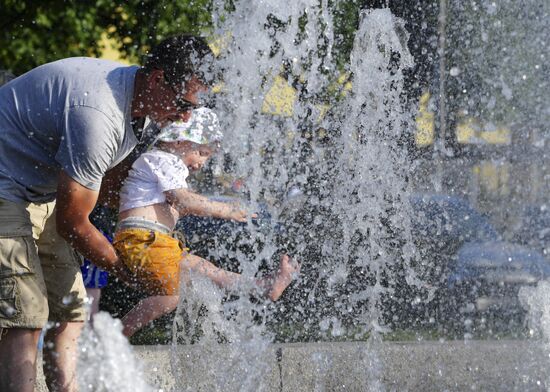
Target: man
63	125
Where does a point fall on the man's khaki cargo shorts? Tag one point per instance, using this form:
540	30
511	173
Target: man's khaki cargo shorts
40	276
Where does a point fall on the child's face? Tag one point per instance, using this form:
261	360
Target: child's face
196	157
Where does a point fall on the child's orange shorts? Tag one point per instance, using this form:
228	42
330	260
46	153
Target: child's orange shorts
153	257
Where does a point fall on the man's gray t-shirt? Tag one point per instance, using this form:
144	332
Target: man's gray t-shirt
72	115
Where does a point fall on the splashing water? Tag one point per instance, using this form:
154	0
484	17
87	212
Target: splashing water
106	361
371	193
202	319
537	301
291	131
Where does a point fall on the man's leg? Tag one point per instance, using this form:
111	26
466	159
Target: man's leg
60	355
66	297
23	303
18	348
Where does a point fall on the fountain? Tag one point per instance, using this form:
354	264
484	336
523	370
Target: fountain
352	200
106	361
351	229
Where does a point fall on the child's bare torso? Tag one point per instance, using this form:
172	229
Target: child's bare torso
161	212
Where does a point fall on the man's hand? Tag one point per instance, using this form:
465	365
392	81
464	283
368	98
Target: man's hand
74	205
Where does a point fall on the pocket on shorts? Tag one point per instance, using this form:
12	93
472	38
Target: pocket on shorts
17	256
8	303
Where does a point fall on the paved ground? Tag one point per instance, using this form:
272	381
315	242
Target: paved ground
422	366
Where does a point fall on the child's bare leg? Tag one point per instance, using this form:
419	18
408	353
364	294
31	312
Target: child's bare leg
286	272
222	278
273	287
94	295
151	308
147	310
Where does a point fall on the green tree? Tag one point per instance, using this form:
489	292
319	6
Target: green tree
33	33
37	32
139	24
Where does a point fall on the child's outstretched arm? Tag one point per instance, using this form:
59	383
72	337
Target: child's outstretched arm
190	203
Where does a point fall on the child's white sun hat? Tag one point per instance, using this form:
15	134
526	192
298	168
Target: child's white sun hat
203	127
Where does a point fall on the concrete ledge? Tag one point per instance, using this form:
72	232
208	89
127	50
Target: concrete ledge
353	366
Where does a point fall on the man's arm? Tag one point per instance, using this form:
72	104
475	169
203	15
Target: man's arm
74	205
190	203
109	194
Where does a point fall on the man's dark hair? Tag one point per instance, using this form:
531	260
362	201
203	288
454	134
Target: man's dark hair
181	57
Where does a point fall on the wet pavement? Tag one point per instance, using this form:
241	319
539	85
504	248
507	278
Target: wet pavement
512	365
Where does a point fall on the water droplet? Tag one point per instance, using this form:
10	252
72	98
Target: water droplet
9	311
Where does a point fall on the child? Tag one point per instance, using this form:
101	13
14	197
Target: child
153	198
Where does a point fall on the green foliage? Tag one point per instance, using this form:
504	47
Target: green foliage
346	14
142	23
36	32
346	22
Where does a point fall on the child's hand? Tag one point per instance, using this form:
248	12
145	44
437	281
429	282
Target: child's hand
240	215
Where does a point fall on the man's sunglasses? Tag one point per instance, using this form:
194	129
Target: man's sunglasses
182	104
